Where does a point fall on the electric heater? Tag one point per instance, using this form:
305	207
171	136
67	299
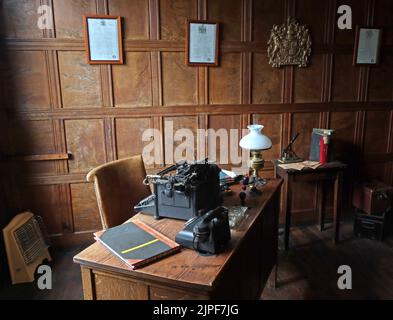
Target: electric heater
25	245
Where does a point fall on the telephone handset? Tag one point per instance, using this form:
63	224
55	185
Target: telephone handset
207	234
202	230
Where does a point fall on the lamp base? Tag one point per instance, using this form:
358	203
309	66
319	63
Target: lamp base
257	163
254	183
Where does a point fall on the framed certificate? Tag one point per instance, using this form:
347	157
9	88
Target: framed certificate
103	39
367	46
201	43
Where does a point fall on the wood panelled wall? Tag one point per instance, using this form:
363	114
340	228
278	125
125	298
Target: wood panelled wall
56	103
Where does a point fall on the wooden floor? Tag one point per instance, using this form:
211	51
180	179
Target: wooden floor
66	280
307	271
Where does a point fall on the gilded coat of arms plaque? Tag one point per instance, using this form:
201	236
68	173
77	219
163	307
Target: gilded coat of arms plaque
289	44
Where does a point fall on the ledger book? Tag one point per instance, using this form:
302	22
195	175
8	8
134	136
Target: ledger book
136	243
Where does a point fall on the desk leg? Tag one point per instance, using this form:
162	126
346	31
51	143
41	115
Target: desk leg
287	200
337	205
321	205
88	284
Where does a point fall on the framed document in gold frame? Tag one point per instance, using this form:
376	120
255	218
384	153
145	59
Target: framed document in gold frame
202	43
103	39
367	46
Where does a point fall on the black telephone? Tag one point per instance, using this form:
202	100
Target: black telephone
207	234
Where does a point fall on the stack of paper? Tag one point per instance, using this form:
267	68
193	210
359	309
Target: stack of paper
301	165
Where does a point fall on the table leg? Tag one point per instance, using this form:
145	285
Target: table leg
287	200
337	206
88	284
321	205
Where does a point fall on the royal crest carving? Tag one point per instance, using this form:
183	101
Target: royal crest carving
289	44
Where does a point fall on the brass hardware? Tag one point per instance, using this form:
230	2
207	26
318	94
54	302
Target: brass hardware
256	162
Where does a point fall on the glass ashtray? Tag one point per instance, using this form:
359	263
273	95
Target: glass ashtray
236	214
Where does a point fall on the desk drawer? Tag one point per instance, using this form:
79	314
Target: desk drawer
174	294
108	287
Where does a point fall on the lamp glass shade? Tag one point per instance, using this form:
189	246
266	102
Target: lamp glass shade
255	139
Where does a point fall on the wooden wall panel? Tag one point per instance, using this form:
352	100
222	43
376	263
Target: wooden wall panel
19	19
304	123
266	81
173	17
374	171
344	148
308	81
216	138
69	17
27	85
80	82
314	14
59	103
84	207
224	82
344	125
132	84
266	13
86	142
347	36
172	138
383	15
345	78
135	26
5	145
129	136
376	136
41	141
381	80
179	81
228	14
48	202
41	130
273	129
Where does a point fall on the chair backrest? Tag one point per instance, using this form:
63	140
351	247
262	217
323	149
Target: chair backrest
118	186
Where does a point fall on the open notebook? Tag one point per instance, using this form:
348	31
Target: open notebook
136	243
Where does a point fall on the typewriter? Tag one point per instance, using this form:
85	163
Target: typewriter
183	191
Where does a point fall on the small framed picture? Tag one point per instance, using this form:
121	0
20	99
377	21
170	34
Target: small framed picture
367	46
202	43
103	39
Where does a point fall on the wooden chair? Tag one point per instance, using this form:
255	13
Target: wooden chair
118	186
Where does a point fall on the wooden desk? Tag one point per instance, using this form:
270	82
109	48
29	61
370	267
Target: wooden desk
329	171
239	272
